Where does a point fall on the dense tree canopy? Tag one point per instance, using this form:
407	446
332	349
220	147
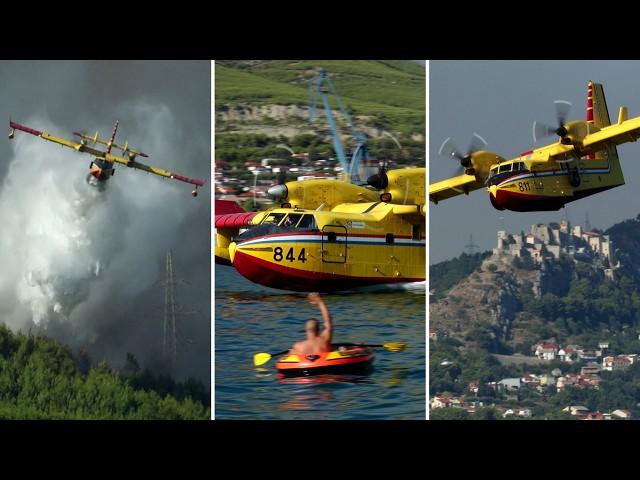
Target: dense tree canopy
41	379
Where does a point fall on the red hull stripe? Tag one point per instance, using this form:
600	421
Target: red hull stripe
521	202
278	276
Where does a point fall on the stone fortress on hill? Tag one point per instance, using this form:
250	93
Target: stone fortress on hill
549	242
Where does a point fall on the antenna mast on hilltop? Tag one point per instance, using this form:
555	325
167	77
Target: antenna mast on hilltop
471	247
171	334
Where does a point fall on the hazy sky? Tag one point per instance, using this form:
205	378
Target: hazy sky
500	100
84	266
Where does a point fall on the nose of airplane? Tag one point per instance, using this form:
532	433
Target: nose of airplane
278	192
493	189
232	251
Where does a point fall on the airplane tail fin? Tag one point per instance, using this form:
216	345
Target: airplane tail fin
597	112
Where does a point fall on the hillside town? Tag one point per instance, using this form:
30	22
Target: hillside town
592	361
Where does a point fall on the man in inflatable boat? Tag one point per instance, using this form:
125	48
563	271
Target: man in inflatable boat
316	342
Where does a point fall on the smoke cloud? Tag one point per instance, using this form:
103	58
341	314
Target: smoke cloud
86	265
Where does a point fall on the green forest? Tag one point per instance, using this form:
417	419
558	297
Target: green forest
41	378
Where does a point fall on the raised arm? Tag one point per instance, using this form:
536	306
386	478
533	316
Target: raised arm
316	299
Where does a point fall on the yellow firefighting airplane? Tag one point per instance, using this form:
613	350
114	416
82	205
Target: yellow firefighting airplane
101	167
583	162
330	235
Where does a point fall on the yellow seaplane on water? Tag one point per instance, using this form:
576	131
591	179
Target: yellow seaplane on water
330	235
584	161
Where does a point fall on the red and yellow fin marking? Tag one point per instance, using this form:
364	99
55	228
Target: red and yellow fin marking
600	111
113	136
591	156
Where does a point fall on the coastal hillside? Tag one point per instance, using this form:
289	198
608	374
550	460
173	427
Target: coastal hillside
264	104
548	319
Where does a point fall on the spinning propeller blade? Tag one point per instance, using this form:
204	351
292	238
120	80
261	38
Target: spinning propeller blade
542	130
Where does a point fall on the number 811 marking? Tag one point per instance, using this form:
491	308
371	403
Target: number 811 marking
278	255
524	186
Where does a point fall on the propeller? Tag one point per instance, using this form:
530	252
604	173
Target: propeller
541	130
379	180
448	149
281	178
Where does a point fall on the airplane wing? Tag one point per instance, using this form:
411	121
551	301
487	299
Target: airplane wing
81	147
454	186
107	157
413	214
621	132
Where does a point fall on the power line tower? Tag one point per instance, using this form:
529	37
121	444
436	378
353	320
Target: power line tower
171	334
471	247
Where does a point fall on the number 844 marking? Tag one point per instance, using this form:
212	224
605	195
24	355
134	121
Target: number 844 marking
278	255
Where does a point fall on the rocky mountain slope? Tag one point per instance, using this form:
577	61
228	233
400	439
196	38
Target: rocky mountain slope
505	305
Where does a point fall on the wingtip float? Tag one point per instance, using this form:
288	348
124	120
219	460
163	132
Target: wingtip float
102	166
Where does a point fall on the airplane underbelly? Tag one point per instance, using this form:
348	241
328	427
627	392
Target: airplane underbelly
522	202
310	263
510	199
100	170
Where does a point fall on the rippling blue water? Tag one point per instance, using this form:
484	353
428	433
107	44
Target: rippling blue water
250	319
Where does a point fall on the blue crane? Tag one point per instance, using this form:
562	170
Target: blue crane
318	88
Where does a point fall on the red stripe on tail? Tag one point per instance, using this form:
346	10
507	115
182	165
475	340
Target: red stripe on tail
591	156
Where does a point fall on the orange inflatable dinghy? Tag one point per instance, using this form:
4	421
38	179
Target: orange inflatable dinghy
345	360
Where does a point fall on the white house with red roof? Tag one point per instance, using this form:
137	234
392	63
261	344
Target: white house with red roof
616	363
568	354
546	350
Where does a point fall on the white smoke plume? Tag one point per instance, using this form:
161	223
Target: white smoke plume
85	265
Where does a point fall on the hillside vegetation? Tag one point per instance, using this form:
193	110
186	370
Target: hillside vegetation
41	379
392	93
485	311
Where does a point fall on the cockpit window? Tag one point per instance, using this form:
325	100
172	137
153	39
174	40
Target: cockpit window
494	170
273	218
291	220
307	221
505	168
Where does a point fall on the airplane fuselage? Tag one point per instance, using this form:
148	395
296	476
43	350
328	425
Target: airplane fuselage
351	246
101	170
522	185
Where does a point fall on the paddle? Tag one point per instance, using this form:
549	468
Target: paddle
262	358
